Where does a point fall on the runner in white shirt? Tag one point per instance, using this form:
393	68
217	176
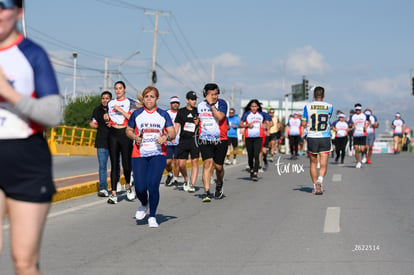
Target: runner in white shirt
372	125
359	123
398	126
172	147
341	129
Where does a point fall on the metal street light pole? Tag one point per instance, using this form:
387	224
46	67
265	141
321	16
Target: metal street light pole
75	55
123	62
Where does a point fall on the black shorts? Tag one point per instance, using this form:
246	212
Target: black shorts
275	136
266	141
361	141
187	146
319	145
233	142
398	135
172	151
26	169
215	150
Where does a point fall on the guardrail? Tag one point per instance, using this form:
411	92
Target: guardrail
69	140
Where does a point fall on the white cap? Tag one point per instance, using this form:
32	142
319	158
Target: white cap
174	99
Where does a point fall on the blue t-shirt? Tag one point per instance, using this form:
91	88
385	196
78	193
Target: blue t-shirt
233	122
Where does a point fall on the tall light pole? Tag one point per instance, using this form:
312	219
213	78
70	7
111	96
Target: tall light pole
123	62
75	56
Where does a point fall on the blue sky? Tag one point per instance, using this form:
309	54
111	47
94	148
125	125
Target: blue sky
360	51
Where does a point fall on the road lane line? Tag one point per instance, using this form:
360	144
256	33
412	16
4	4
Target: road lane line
332	219
336	177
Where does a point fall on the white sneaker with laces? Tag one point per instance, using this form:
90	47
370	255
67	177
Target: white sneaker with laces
358	165
118	187
152	222
191	189
141	212
130	194
103	193
186	186
113	199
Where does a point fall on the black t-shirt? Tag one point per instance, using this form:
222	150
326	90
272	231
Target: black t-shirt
101	140
186	119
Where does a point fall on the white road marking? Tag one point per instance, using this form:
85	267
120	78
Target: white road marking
336	177
59	213
332	219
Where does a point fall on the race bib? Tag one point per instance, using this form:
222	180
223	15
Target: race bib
189	127
149	141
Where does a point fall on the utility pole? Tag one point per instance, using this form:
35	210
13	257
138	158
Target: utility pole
105	86
154	46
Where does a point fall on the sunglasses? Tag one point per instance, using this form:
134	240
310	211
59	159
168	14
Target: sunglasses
6	5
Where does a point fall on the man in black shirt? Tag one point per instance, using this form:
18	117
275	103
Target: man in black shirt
100	121
186	123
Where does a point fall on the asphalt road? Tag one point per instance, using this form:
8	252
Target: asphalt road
363	224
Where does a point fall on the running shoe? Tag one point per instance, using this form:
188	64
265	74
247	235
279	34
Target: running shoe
175	183
228	162
261	170
234	161
319	192
103	193
152	222
169	179
130	194
206	197
186	186
369	161
364	160
358	165
118	187
141	212
219	191
113	199
191	189
254	177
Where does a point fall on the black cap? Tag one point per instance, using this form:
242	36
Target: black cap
191	95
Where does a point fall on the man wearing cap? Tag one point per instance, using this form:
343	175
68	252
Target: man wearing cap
213	138
359	124
172	161
372	125
186	123
398	126
341	129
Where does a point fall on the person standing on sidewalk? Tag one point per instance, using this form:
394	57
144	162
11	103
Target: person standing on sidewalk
316	118
100	121
149	127
186	124
29	103
233	136
213	138
172	161
119	110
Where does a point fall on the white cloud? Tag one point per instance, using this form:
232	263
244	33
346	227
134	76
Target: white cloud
306	61
394	87
227	60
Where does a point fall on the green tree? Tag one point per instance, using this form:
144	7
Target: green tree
78	113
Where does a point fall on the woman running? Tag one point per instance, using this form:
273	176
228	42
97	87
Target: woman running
29	102
149	127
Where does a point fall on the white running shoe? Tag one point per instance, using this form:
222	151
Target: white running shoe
152	222
228	162
234	161
103	193
358	165
213	181
118	187
113	199
364	160
131	194
261	170
186	186
141	212
191	189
